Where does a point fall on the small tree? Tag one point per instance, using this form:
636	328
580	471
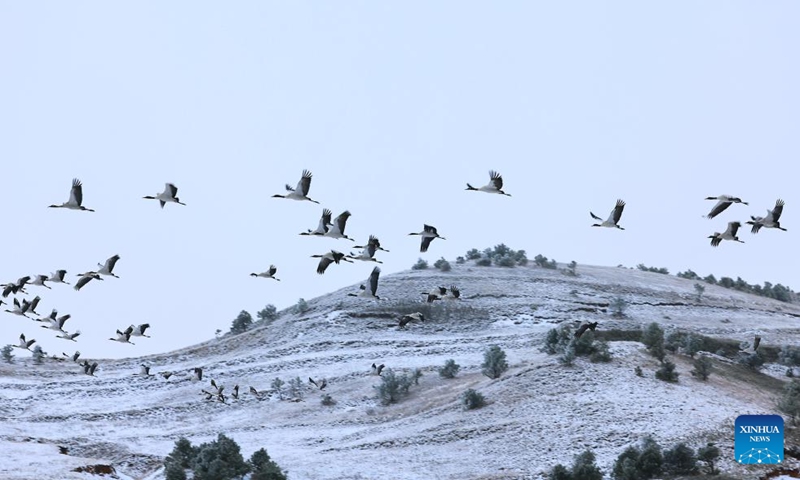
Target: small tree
680	460
277	385
699	290
268	314
241	323
180	459
667	372
638	371
301	307
652	335
572	269
484	261
559	472
217	333
38	355
296	388
692	344
219	459
584	468
789	402
472	400
618	306
392	387
264	468
450	369
442	265
460	260
708	456
473	254
651	459
494	362
625	466
702	367
420	265
7	355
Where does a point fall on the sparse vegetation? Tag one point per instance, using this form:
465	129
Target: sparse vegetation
702	367
562	341
268	314
393	387
583	468
327	400
420	265
241	323
300	307
667	372
777	291
618	307
472	399
638	371
567	357
753	361
680	460
450	369
571	269
277	386
460	260
296	388
500	255
542	261
644	268
653	339
442	265
8	357
789	402
494	362
699	289
708	456
789	355
38	355
220	459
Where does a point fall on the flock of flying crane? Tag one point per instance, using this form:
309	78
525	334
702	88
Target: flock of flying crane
327	227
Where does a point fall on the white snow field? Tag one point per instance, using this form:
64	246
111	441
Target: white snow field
539	412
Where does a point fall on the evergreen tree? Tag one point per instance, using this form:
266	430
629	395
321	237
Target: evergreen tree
450	369
667	372
268	314
38	355
264	468
702	367
650	461
241	323
584	467
708	455
220	459
789	403
301	307
7	355
494	362
680	460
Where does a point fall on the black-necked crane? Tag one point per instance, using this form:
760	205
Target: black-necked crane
377	369
144	371
70	336
235	392
108	267
371	290
428	233
24	344
336	229
88	368
197	374
495	184
75	201
411	317
437	293
39	281
752	349
728	234
771	220
331	257
255	392
324	224
8	289
321	384
301	192
169	195
582	329
123	337
73	357
268	274
30	307
613	218
373	241
723	202
49	318
86	278
453	293
20	310
366	255
58	277
56	324
165	374
138	330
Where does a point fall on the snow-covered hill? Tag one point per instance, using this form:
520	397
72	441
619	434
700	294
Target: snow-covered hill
540	413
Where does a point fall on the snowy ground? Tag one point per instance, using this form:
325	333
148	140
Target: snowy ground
539	413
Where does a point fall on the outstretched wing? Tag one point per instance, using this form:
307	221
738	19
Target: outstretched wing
305	183
373	279
429	229
426	242
617	213
171	190
718	208
76	194
778	210
497	179
595	217
733	227
323	264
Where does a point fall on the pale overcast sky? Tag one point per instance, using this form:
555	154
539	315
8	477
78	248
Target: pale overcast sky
393	108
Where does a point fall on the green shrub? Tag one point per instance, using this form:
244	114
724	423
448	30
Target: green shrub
667	372
393	387
494	362
264	468
702	367
420	265
220	459
680	460
450	369
241	323
442	265
472	400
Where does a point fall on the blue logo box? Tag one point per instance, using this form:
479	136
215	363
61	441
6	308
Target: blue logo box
758	439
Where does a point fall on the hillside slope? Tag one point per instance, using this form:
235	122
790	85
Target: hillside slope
539	413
